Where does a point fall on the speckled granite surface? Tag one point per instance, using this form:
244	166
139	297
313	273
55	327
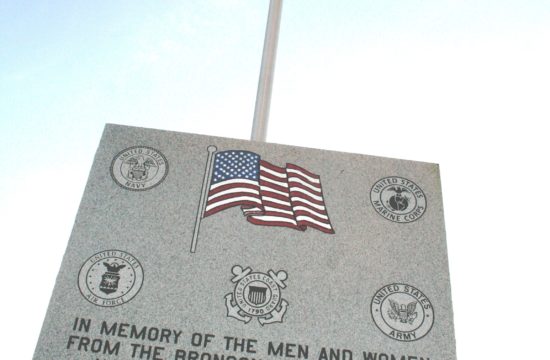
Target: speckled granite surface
297	253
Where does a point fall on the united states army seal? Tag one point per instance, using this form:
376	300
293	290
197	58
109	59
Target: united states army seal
402	312
257	295
398	199
139	168
110	278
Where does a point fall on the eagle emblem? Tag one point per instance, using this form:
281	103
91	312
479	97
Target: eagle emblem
139	167
110	279
403	313
399	201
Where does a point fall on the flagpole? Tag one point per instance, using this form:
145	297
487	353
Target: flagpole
265	83
202	202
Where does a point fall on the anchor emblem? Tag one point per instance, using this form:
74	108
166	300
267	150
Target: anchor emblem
257	295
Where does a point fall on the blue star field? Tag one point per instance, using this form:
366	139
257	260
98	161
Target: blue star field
232	164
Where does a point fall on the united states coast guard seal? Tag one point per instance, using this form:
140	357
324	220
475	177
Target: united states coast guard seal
110	278
139	168
402	312
398	199
257	295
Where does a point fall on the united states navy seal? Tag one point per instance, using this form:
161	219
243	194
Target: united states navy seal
139	168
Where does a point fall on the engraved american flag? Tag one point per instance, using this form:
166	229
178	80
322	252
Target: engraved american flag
267	194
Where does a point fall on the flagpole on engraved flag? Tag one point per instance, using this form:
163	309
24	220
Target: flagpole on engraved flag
202	202
261	111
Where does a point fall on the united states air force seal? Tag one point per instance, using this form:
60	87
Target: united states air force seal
110	278
402	312
398	199
139	168
257	295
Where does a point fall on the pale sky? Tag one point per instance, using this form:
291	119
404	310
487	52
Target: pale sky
465	84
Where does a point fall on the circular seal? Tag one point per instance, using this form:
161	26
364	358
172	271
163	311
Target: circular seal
402	312
257	294
110	278
398	199
139	168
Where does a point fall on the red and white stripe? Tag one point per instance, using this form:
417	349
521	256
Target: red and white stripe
231	193
290	197
307	199
275	195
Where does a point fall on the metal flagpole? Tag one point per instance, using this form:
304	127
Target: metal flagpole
265	83
261	112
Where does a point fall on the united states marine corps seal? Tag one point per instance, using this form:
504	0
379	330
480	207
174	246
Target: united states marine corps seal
110	278
257	295
402	312
398	199
139	168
